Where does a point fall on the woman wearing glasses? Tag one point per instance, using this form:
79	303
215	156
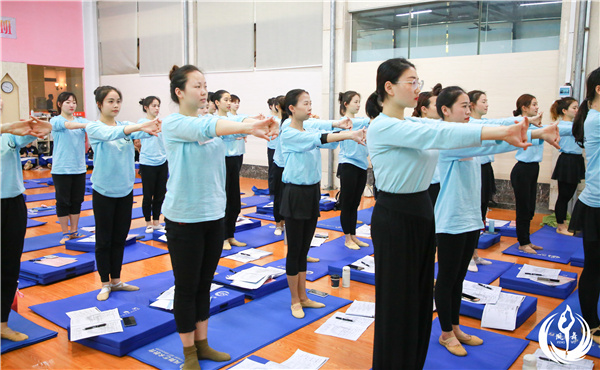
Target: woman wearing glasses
403	228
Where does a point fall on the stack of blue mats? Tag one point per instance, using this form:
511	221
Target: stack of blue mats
356	275
278	283
527	308
509	280
79	245
220	300
43	274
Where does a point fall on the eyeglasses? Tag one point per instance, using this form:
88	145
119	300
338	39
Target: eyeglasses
416	84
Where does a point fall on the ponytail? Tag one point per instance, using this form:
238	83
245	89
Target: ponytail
592	81
556	110
373	106
345	98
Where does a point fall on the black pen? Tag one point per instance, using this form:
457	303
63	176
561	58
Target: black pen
235	272
532	273
245	254
355	267
470	297
485	286
95	326
344	319
364	263
548	279
545	359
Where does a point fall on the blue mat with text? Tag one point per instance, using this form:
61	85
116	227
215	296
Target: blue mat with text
557	247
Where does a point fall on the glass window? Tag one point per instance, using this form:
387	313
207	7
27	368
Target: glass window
455	28
46	83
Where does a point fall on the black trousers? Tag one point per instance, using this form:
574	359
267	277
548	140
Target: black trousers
14	225
589	282
70	190
154	184
113	220
195	250
523	179
299	235
433	191
565	193
277	191
488	188
352	180
233	165
403	232
454	253
270	153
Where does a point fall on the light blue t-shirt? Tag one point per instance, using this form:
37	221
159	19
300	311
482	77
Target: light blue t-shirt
114	167
311	124
484	159
353	152
153	149
235	145
11	172
272	144
567	141
532	154
302	155
458	206
591	138
196	157
399	150
68	156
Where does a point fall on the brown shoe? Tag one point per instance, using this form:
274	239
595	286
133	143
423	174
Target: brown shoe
311	304
472	341
297	311
456	350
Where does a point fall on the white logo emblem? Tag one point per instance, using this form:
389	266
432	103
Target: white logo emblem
223	293
566	338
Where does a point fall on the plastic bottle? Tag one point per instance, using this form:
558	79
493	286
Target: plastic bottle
346	277
529	362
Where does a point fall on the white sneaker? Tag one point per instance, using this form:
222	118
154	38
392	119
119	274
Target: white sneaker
158	228
473	266
149	229
481	261
278	231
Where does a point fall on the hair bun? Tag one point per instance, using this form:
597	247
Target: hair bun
173	70
142	101
340	97
436	89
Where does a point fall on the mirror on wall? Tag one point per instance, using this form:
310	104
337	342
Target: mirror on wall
46	83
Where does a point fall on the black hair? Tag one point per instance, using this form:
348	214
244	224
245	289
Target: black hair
556	109
217	95
291	98
178	77
63	97
447	98
145	102
372	106
345	98
592	81
279	103
390	70
235	98
101	92
425	99
210	95
523	101
474	95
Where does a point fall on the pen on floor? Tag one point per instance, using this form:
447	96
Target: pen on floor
344	319
95	326
485	286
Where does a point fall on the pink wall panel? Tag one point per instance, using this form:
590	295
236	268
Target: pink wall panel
48	33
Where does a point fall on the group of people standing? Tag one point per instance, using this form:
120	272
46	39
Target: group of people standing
427	169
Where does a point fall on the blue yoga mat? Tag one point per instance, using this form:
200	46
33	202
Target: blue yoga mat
33	185
573	302
34	223
578	258
90	221
88	246
356	275
333	223
258	191
509	280
527	308
261	216
331	252
557	247
254	238
510	231
240	331
255	200
45	241
488	355
487	273
35	332
44	274
279	282
487	240
87	205
25	283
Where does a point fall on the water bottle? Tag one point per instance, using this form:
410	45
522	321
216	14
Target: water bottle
491	227
346	277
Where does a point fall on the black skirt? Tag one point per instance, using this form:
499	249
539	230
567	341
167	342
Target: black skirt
586	219
570	168
300	202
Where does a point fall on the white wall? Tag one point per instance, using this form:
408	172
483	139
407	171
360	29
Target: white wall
253	88
503	76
